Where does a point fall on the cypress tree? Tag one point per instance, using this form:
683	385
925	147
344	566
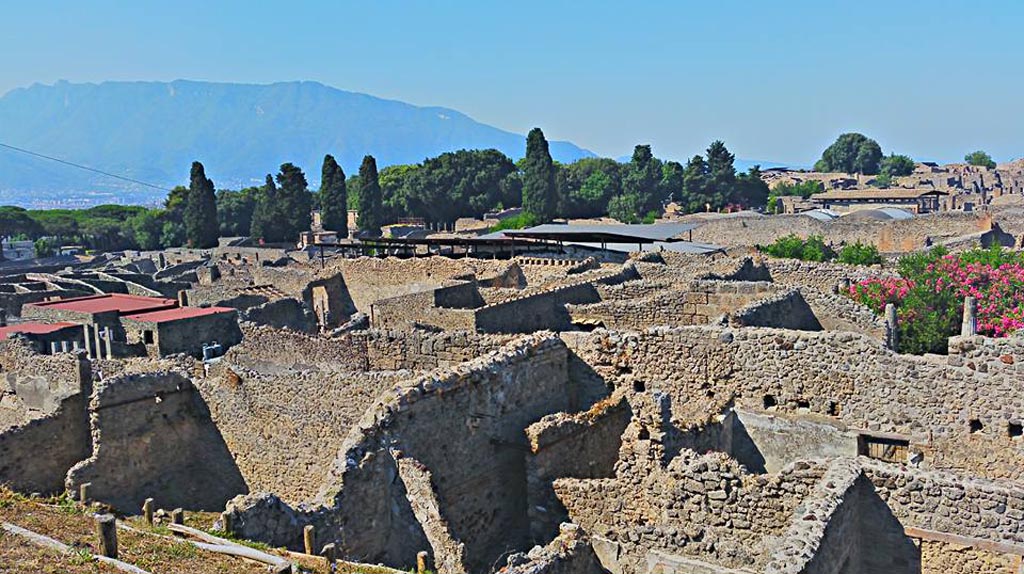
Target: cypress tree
201	228
333	198
540	195
265	213
294	201
370	203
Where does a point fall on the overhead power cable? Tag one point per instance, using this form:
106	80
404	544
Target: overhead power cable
84	167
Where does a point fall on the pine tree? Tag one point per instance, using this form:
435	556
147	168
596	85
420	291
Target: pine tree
333	198
642	178
721	175
201	228
264	216
370	202
540	194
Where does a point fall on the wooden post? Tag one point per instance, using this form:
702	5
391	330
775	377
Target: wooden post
225	521
421	562
330	554
83	492
147	511
106	532
969	327
309	538
891	327
177	516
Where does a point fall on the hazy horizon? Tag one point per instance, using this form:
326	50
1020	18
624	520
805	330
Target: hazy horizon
776	82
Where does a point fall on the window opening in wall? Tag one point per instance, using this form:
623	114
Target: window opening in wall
147	337
639	386
1015	430
644	434
770	402
833	409
803	404
889	449
975	425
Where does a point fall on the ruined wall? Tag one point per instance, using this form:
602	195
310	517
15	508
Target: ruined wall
844	375
284	313
446	308
481	408
821	275
585	445
284	427
840	313
765	442
35	455
568	553
536	311
888	236
783	310
695	303
700	506
152	437
372	350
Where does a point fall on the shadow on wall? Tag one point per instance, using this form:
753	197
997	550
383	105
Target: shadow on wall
154	438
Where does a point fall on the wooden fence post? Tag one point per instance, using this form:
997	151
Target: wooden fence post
83	492
177	516
421	562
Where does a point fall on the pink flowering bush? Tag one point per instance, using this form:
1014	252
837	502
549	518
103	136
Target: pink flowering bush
930	292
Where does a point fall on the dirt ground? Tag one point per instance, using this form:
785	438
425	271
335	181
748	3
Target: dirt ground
152	548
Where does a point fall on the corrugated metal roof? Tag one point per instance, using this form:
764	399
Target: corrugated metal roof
608	233
674	247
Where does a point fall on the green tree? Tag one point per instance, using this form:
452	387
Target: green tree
751	190
201	228
587	185
294	201
721	174
265	224
370	207
333	197
539	190
15	221
851	153
695	185
896	165
235	210
981	159
625	208
642	178
147	228
671	185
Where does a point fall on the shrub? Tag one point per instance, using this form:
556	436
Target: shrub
930	292
859	254
520	221
793	247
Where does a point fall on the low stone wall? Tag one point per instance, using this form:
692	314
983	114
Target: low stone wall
568	553
35	456
284	313
783	310
152	437
819	275
840	313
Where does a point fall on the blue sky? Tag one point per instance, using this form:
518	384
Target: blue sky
775	80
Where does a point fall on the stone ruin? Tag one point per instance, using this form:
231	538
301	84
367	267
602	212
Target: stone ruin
676	414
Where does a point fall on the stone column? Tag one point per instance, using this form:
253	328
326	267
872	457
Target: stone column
891	327
969	327
88	342
3	317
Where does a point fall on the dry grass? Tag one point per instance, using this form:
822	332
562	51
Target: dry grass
152	549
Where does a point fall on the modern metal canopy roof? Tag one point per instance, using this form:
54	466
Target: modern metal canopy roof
605	233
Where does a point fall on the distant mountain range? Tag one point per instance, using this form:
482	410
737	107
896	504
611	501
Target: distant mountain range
152	131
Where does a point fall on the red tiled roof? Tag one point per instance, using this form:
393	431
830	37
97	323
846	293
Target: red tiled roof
33	328
166	315
119	302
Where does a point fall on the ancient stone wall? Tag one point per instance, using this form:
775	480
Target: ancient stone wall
284	427
481	408
152	437
842	375
286	313
568	553
584	445
820	275
35	455
889	236
784	310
